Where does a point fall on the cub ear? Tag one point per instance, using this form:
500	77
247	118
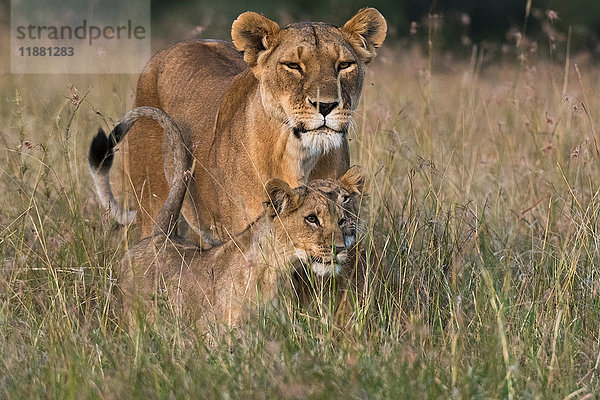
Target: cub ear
252	33
366	32
355	179
280	197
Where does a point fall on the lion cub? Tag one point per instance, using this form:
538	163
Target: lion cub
309	225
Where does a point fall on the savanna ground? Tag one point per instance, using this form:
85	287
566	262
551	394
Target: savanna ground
483	249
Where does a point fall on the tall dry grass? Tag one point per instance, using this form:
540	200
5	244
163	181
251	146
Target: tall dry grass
482	249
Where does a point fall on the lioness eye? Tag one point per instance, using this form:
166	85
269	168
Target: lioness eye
312	219
294	66
346	200
344	65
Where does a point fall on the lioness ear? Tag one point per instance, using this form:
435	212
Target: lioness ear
366	32
280	197
252	33
355	179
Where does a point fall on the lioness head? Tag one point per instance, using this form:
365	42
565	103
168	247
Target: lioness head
319	220
310	74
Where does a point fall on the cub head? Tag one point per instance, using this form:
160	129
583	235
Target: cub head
310	74
318	222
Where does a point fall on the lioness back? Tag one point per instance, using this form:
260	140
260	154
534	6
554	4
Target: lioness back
187	80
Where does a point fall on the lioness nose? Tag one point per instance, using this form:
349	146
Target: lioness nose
324	108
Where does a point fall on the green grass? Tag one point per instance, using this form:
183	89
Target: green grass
483	250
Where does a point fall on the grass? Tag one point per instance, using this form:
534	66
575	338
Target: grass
483	250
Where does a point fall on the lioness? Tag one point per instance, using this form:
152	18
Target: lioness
275	103
307	225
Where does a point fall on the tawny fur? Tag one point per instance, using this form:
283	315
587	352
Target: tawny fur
102	150
224	283
251	111
100	159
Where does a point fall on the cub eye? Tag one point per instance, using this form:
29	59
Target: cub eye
344	65
312	219
346	200
294	66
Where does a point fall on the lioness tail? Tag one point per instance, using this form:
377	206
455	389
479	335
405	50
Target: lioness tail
101	156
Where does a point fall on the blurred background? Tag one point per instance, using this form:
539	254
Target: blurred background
502	29
494	25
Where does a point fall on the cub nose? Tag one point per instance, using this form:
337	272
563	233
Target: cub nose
339	245
324	108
